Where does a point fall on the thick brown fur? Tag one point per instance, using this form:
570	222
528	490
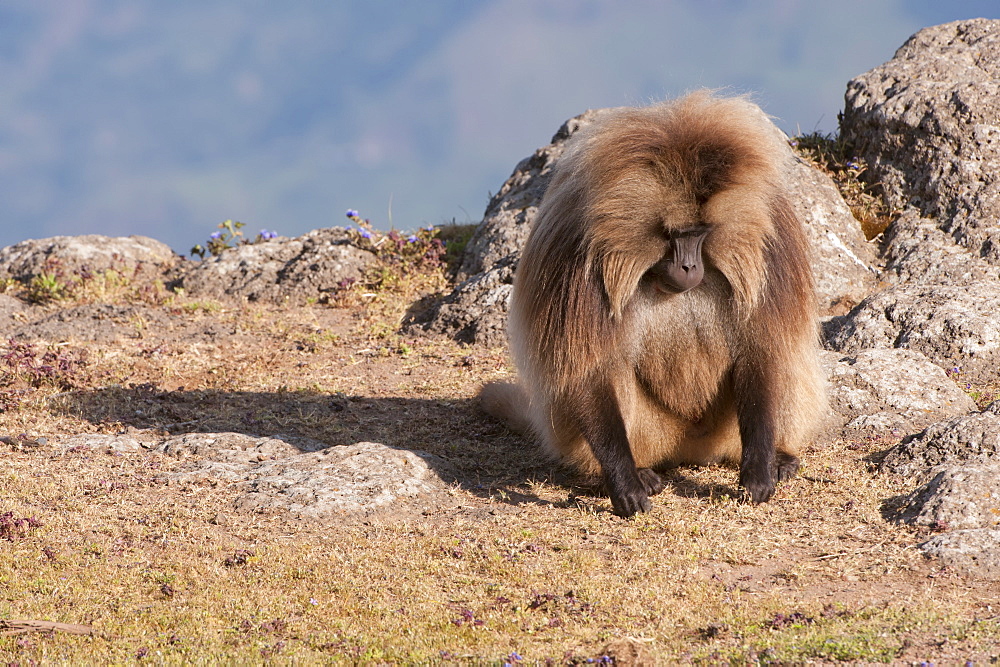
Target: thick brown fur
618	376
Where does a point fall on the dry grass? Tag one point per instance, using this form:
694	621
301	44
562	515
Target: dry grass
834	156
518	561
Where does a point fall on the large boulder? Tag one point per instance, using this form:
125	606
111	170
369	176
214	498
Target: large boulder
926	123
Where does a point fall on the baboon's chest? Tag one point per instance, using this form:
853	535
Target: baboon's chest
683	354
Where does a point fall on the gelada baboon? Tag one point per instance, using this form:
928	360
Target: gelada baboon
663	308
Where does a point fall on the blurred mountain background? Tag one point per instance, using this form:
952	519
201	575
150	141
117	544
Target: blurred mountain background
165	118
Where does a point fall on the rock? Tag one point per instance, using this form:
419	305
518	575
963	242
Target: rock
131	256
290	474
928	124
476	310
956	497
236	447
312	266
974	551
334	481
304	477
952	326
842	259
99	441
973	438
890	390
918	251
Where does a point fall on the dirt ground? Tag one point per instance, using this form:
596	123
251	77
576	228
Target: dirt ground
515	560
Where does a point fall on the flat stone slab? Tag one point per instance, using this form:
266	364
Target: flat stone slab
303	477
341	480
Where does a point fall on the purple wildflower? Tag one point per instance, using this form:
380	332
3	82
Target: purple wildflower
365	234
216	235
351	213
412	238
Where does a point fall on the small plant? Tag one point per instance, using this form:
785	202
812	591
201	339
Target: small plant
16	528
230	234
407	253
21	361
24	369
239	558
45	288
836	157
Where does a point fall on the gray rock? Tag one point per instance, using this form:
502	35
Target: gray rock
890	390
236	447
974	551
99	442
312	266
131	256
956	497
973	438
476	310
335	481
928	124
952	326
288	474
843	260
917	250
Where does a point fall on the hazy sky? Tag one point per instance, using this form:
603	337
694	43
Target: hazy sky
166	118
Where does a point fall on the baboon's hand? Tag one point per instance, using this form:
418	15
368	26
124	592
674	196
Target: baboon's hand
628	496
759	484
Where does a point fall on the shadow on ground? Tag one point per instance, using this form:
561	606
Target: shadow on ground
490	460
